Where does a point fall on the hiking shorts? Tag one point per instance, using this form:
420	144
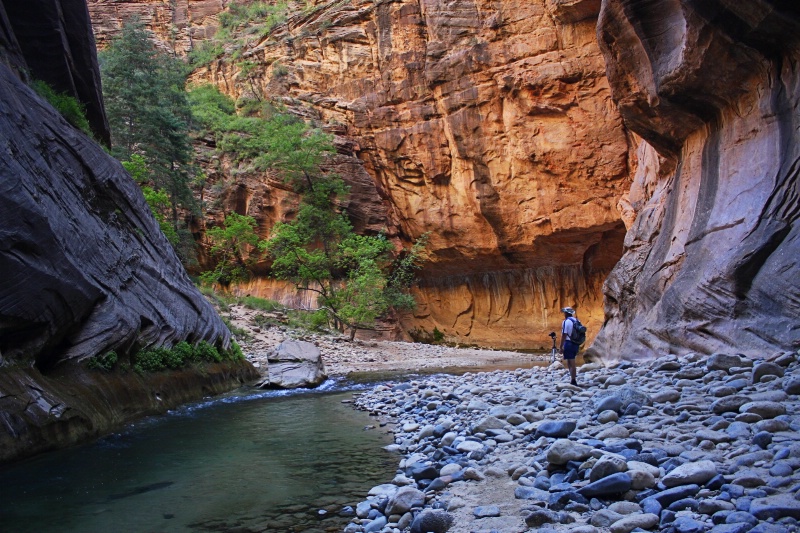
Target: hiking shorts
570	349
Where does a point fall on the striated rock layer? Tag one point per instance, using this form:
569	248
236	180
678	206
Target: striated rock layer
710	264
179	24
488	124
85	268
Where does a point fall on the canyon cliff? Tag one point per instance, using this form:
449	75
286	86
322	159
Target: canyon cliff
713	89
488	125
542	143
85	267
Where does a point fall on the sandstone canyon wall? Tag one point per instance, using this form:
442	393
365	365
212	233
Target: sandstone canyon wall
84	266
488	124
713	89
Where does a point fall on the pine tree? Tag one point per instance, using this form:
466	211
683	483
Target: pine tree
148	113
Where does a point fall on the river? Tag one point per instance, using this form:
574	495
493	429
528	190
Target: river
250	461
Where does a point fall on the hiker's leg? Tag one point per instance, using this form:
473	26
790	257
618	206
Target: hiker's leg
572	370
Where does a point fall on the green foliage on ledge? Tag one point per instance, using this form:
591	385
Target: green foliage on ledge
259	136
182	354
104	362
240	25
70	108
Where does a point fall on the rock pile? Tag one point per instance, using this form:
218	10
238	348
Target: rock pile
684	445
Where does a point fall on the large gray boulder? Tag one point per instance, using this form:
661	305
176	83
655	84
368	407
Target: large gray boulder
690	473
404	500
619	399
295	364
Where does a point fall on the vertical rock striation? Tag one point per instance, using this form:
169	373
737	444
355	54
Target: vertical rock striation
710	264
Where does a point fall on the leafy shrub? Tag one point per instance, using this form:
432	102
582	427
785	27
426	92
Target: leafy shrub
205	53
208	352
70	108
239	25
103	362
183	353
279	70
422	335
261	14
235	353
309	320
173	359
260	304
150	360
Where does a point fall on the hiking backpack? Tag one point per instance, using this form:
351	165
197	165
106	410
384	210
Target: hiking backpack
578	335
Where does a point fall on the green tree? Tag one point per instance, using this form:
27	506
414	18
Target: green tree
264	137
355	276
145	100
232	245
157	200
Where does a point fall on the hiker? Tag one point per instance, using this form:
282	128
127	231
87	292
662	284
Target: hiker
568	347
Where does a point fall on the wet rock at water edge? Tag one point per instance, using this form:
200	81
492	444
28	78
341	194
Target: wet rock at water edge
404	500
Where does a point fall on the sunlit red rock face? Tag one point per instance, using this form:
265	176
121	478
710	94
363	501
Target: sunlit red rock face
711	262
179	24
488	124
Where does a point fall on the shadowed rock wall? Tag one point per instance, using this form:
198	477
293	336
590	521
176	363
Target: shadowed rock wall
53	42
85	268
713	88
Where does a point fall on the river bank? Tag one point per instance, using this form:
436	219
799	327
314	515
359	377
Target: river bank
342	357
690	444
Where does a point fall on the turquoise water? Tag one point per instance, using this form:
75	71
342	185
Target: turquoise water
265	461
